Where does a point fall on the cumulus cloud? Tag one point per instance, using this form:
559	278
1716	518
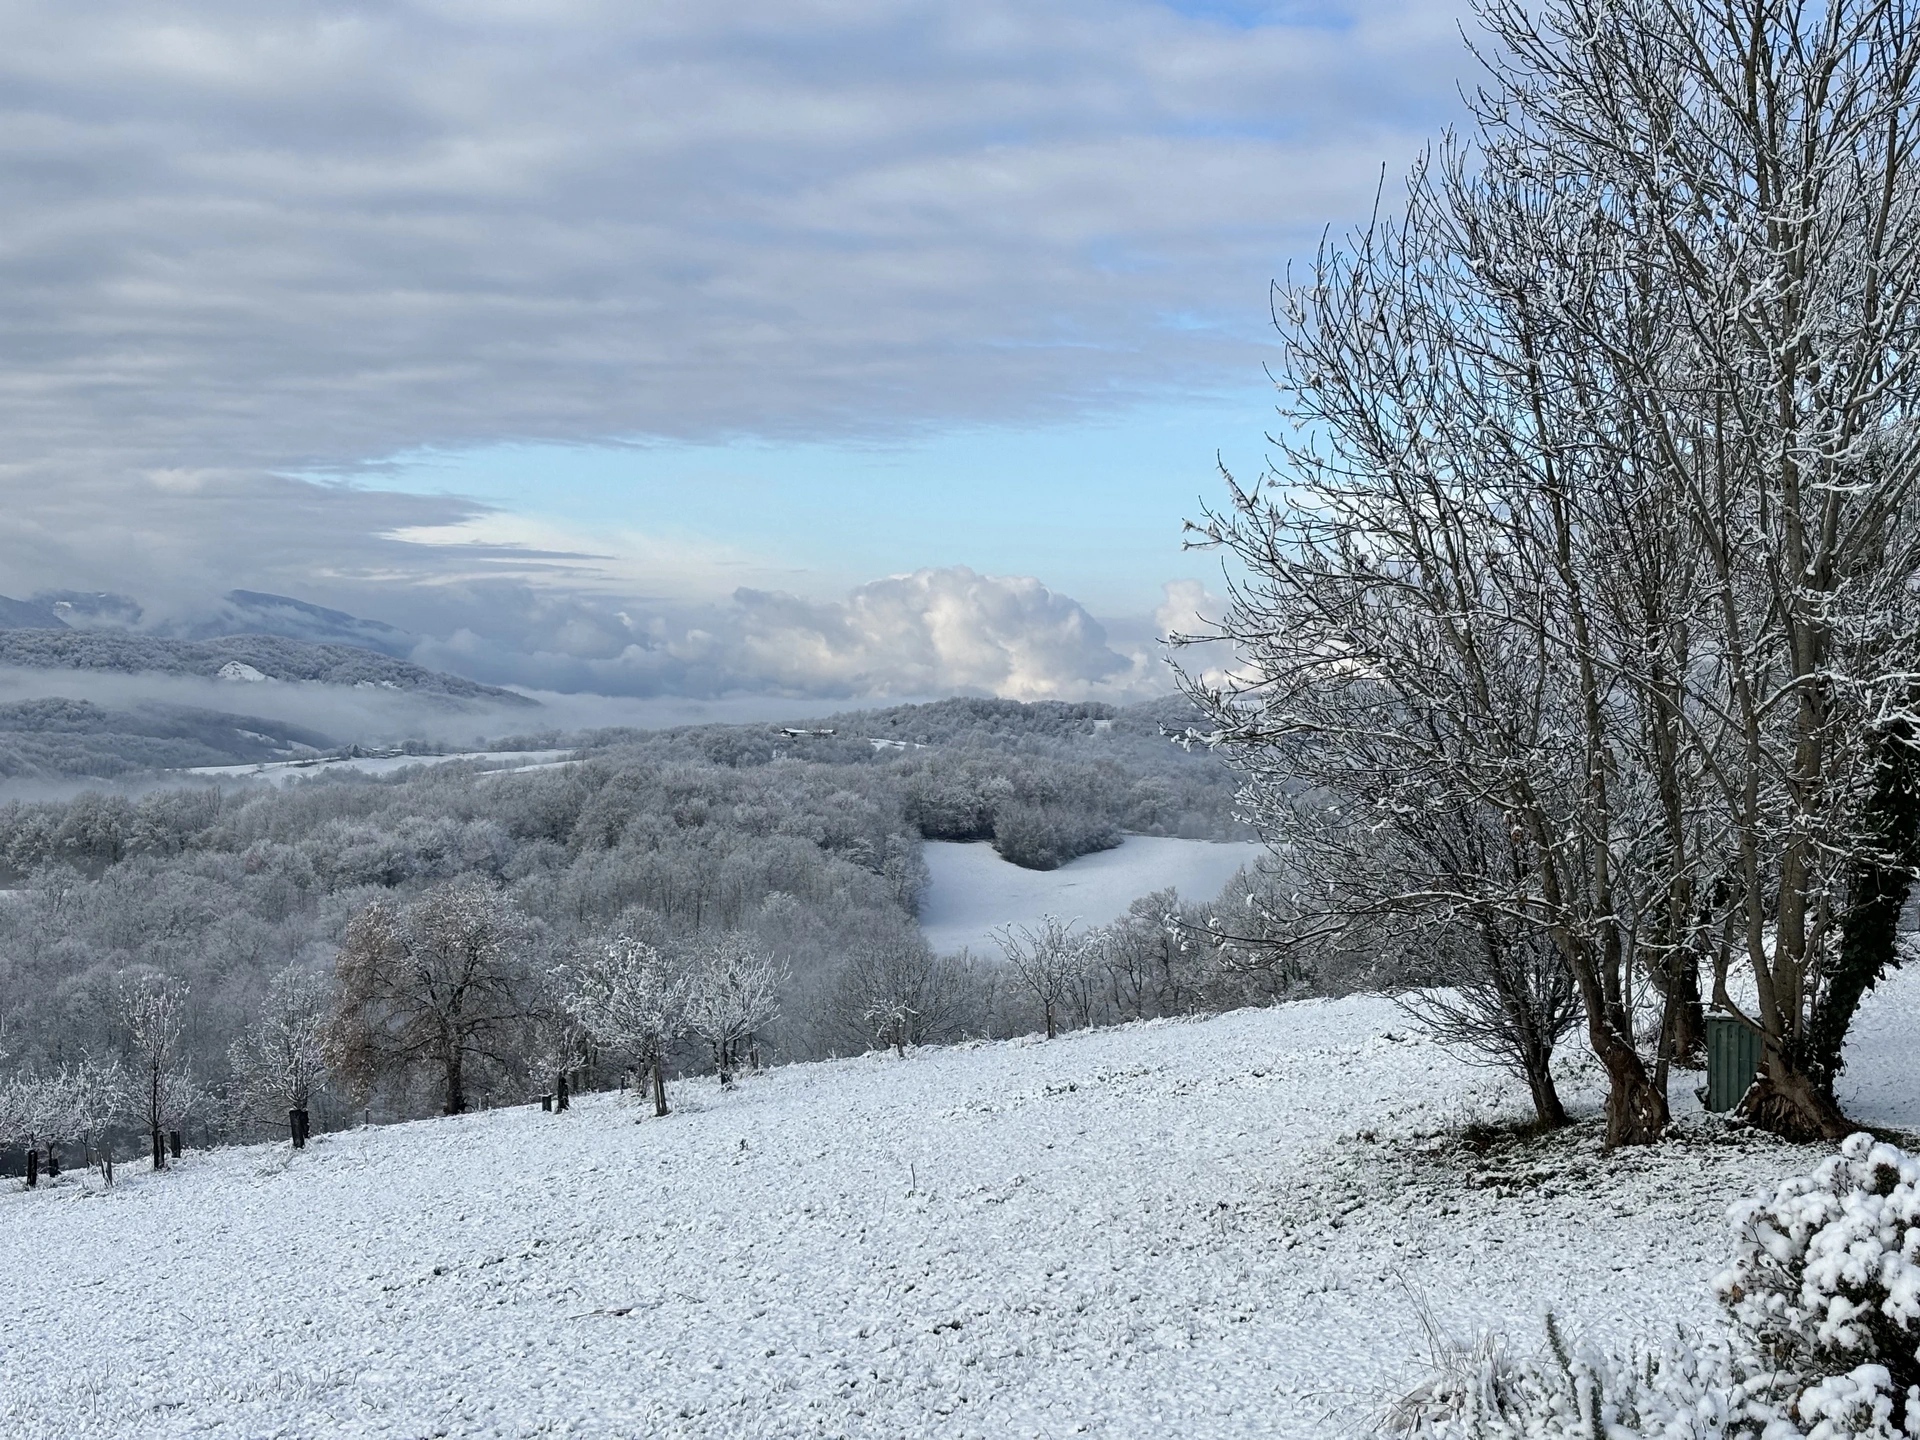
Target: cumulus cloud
933	632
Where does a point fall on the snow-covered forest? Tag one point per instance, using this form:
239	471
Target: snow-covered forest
799	847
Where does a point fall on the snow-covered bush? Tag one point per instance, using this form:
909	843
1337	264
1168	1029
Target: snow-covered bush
1826	1278
1824	1296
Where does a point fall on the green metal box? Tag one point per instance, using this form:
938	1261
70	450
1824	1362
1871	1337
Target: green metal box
1733	1059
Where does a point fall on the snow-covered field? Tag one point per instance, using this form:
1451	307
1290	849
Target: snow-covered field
974	891
282	772
1204	1228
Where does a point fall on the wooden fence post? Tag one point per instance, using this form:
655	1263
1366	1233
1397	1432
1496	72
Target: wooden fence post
173	1143
33	1168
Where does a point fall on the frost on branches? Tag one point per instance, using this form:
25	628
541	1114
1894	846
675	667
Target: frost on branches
1824	1295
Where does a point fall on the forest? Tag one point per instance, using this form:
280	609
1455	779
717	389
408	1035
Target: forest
795	849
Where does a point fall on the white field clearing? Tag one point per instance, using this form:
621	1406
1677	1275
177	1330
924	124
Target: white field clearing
285	772
1194	1229
974	891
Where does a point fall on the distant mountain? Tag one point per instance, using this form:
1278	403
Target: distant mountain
58	738
91	609
32	614
271	657
240	612
254	612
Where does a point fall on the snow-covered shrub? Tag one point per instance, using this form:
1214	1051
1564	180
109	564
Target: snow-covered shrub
1687	1389
1824	1295
1826	1281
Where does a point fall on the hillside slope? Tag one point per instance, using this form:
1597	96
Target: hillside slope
274	657
1197	1229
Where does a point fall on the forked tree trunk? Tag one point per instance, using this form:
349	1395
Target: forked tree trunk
1791	1103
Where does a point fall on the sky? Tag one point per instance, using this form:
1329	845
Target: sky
822	348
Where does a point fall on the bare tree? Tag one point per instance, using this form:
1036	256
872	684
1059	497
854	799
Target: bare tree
633	996
280	1062
1049	960
894	990
732	992
1751	170
1598	517
152	1011
440	983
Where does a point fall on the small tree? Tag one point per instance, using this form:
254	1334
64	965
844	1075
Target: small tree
439	982
631	995
152	1012
1049	960
893	990
280	1061
732	991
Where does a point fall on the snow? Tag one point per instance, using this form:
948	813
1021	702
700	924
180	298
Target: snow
1201	1228
281	772
974	891
241	672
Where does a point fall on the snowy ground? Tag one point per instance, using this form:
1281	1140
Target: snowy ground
974	890
1207	1228
282	772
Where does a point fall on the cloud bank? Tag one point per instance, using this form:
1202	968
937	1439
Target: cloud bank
248	242
933	632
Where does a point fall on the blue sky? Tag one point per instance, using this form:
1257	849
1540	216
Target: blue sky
644	348
1093	505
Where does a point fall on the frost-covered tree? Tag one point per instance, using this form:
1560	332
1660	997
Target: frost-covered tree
630	995
732	992
280	1062
1049	960
1743	186
1599	518
441	983
152	1013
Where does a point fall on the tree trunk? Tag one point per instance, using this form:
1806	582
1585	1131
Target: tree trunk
560	1100
455	1063
659	1089
33	1167
1050	1029
53	1161
1792	1104
1547	1108
1689	1012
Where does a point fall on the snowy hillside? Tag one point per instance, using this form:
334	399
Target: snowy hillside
1210	1228
974	891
